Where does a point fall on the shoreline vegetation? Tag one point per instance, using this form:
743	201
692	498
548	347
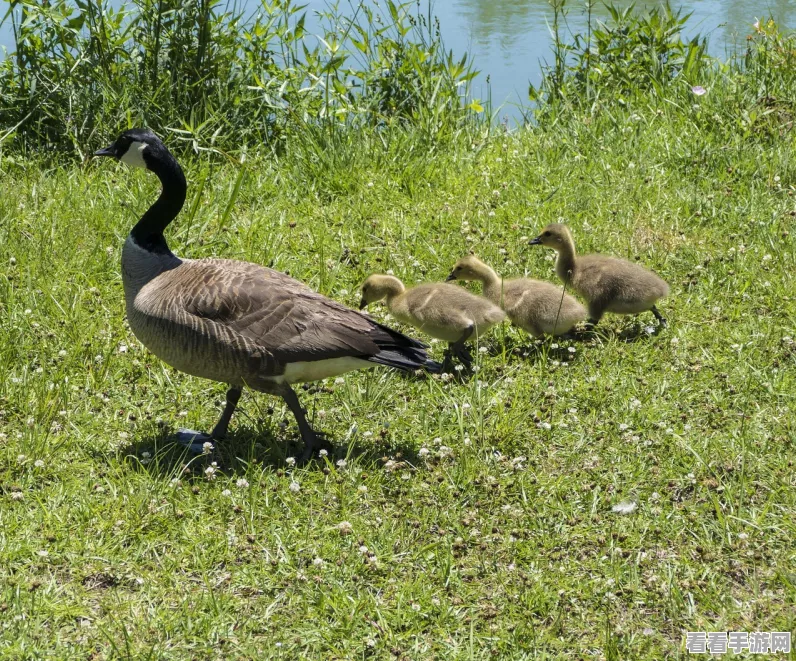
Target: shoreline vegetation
574	499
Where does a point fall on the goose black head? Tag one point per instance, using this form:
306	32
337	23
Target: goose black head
137	147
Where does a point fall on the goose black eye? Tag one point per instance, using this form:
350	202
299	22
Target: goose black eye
546	234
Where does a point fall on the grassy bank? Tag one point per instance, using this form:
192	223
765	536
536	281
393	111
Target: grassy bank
501	541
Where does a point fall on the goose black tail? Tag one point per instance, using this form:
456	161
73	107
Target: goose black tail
402	352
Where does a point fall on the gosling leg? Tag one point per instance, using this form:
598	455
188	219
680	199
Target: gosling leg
661	321
459	349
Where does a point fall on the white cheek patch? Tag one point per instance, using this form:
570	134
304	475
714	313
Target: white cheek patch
134	155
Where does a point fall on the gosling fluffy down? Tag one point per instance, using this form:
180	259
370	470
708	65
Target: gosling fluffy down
539	308
443	311
608	284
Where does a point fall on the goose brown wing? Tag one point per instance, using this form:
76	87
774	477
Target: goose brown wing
290	321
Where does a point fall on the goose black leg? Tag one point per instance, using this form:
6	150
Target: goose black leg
308	434
195	440
658	316
220	430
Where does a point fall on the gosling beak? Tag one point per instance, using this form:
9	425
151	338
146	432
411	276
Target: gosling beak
452	276
535	242
363	304
105	151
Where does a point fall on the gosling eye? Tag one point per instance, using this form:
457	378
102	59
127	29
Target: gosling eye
545	233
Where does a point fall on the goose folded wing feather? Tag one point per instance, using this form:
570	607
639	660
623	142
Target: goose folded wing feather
285	318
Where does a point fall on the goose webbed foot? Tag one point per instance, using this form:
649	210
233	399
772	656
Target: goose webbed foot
311	443
310	437
193	440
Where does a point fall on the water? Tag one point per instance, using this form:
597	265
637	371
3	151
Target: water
509	39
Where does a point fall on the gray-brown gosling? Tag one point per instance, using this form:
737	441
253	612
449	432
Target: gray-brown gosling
236	322
608	284
539	308
446	312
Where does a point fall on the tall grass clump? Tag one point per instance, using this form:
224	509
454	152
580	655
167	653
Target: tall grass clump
219	78
638	61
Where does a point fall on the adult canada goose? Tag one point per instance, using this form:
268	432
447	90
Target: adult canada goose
608	284
539	308
443	311
236	322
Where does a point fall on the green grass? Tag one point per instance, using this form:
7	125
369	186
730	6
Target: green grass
507	548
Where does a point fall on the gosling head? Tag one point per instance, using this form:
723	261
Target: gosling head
554	236
467	268
137	147
378	287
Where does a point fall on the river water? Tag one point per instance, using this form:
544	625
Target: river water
510	39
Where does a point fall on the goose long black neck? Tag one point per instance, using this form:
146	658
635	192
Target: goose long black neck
148	232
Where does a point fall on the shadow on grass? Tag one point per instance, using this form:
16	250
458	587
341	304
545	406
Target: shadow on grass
156	451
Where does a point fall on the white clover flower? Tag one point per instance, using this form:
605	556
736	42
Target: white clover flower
482	349
321	414
242	483
445	451
122	348
546	425
362	488
623	426
318	562
17	495
295	487
290	461
465	406
342	463
62	353
210	472
43	553
367	434
423	452
345	528
207	447
363	549
226	492
175	482
323	453
339	381
39	463
625	507
554	346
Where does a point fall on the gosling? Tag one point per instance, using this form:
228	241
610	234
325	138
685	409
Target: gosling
446	312
539	308
608	284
